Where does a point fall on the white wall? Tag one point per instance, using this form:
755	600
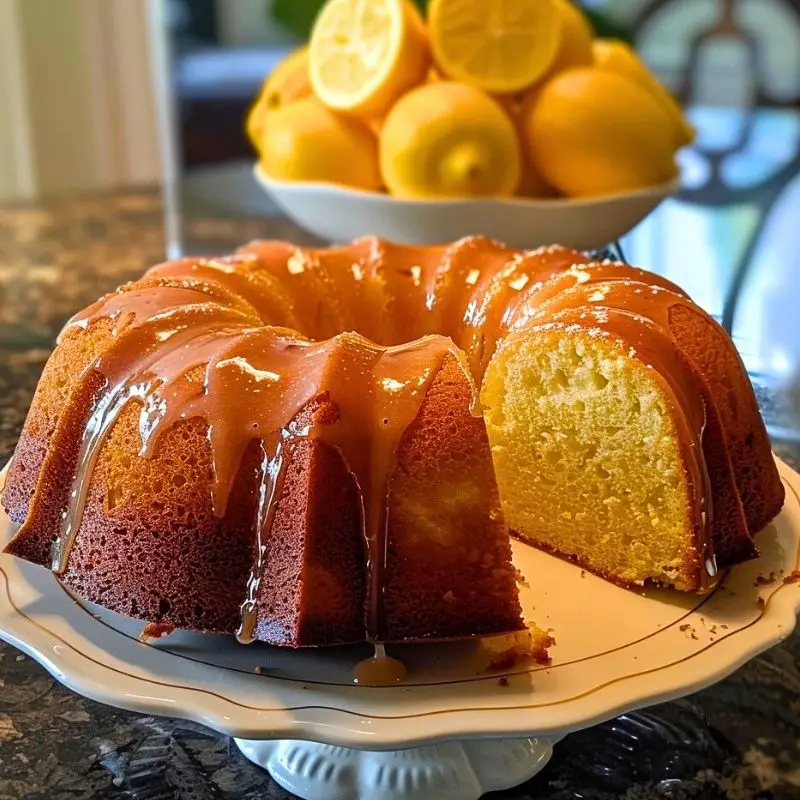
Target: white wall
17	176
77	96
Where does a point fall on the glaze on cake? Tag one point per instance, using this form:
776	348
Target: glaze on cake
215	447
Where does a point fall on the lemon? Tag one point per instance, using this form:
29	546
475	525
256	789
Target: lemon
531	183
594	132
287	82
305	141
574	50
619	57
364	55
497	46
448	139
575	42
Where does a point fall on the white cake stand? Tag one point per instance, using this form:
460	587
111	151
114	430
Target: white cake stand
455	730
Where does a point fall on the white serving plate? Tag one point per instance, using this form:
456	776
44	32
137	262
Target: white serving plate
616	650
339	213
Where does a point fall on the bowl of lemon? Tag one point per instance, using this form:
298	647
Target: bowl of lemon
509	120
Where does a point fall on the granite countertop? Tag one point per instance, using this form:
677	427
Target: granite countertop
738	739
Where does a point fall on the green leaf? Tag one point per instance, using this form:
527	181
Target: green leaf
607	28
296	16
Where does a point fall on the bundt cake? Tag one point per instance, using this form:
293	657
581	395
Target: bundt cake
309	447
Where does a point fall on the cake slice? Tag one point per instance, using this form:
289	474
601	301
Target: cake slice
598	457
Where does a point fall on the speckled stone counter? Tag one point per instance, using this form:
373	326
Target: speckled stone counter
738	739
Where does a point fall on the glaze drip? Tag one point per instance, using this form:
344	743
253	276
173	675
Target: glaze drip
181	356
269	488
379	670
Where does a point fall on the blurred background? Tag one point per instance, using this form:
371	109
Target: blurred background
84	82
97	94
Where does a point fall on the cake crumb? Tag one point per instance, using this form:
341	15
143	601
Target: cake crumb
504	652
502	680
761	602
154	631
258	670
793	577
448	597
685	627
583	573
694	636
764	580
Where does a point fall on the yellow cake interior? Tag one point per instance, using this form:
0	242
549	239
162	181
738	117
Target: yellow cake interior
586	431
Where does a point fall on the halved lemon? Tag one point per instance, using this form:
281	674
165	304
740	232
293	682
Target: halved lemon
575	40
498	46
364	55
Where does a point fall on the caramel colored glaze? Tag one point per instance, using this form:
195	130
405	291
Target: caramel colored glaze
310	287
465	290
408	277
249	343
241	274
497	293
577	274
379	669
254	382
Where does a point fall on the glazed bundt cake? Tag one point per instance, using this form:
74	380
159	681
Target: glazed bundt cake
214	447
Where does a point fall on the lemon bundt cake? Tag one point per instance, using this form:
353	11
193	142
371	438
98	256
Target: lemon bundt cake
212	447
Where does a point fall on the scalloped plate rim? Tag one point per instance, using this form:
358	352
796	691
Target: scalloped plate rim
344	727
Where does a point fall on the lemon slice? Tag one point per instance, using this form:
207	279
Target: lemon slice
364	54
617	56
502	46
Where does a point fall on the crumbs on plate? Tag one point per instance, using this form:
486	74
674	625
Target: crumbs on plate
154	631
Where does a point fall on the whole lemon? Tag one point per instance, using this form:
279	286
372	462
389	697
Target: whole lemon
448	139
531	183
594	132
288	82
620	57
305	141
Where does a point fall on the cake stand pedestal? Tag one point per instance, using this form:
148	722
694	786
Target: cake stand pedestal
449	771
